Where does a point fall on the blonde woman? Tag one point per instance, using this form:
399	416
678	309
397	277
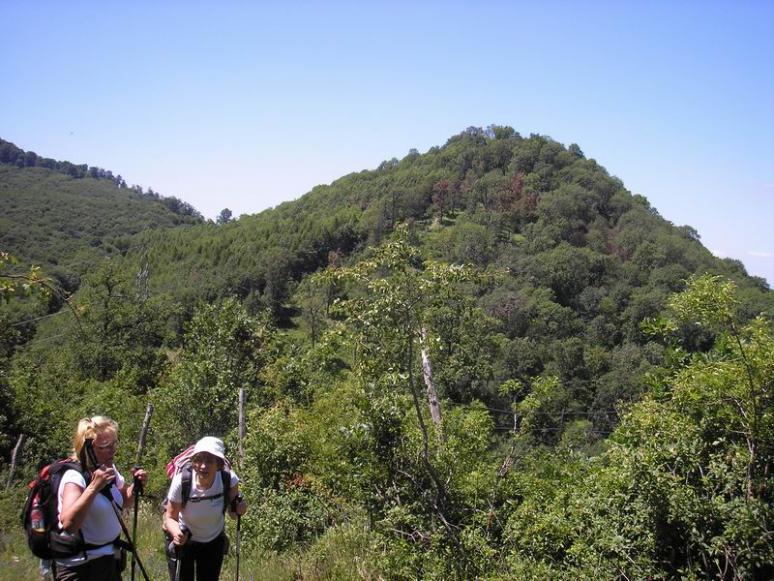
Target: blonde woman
86	503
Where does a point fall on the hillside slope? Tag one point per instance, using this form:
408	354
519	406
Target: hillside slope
67	223
491	198
586	262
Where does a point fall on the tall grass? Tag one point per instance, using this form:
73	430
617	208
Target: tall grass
338	555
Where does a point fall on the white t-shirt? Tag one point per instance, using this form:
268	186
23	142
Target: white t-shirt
101	524
203	513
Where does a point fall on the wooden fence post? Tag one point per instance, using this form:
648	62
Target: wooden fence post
144	432
16	450
242	397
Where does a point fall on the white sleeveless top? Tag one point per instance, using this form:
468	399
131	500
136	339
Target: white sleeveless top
202	514
101	524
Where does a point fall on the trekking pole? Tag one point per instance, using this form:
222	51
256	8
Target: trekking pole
177	562
132	546
238	543
237	499
137	484
89	446
179	550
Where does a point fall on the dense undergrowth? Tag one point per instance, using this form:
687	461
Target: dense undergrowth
341	554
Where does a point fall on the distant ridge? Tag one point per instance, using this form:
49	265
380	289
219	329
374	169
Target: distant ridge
66	217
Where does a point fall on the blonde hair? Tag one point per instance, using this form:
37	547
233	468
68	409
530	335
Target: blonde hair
90	428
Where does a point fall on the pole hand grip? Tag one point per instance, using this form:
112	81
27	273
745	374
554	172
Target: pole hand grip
136	482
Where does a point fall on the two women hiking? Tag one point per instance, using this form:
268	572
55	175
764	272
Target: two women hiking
87	494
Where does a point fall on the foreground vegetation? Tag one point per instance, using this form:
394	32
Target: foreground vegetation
681	488
341	558
489	361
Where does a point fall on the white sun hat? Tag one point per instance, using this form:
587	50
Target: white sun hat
211	445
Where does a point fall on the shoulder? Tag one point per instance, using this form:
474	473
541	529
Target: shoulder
176	479
73	476
232	477
175	488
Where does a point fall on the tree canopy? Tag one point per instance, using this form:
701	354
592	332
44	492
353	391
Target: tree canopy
489	360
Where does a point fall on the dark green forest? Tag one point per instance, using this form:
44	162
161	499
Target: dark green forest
489	360
66	218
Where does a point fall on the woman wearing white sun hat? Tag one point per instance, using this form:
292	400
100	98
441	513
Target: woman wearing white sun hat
195	513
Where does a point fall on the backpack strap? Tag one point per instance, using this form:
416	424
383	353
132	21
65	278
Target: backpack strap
185	480
116	542
186	477
225	477
62	466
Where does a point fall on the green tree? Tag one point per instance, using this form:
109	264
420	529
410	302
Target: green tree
397	310
13	285
119	331
685	486
221	354
224	217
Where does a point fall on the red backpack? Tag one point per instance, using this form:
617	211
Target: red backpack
40	515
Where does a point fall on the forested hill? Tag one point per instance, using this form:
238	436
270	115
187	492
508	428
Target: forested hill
489	360
555	219
67	217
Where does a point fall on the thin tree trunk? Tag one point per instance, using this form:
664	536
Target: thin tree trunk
144	432
432	394
441	501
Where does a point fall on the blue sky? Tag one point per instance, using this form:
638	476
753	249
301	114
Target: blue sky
248	104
